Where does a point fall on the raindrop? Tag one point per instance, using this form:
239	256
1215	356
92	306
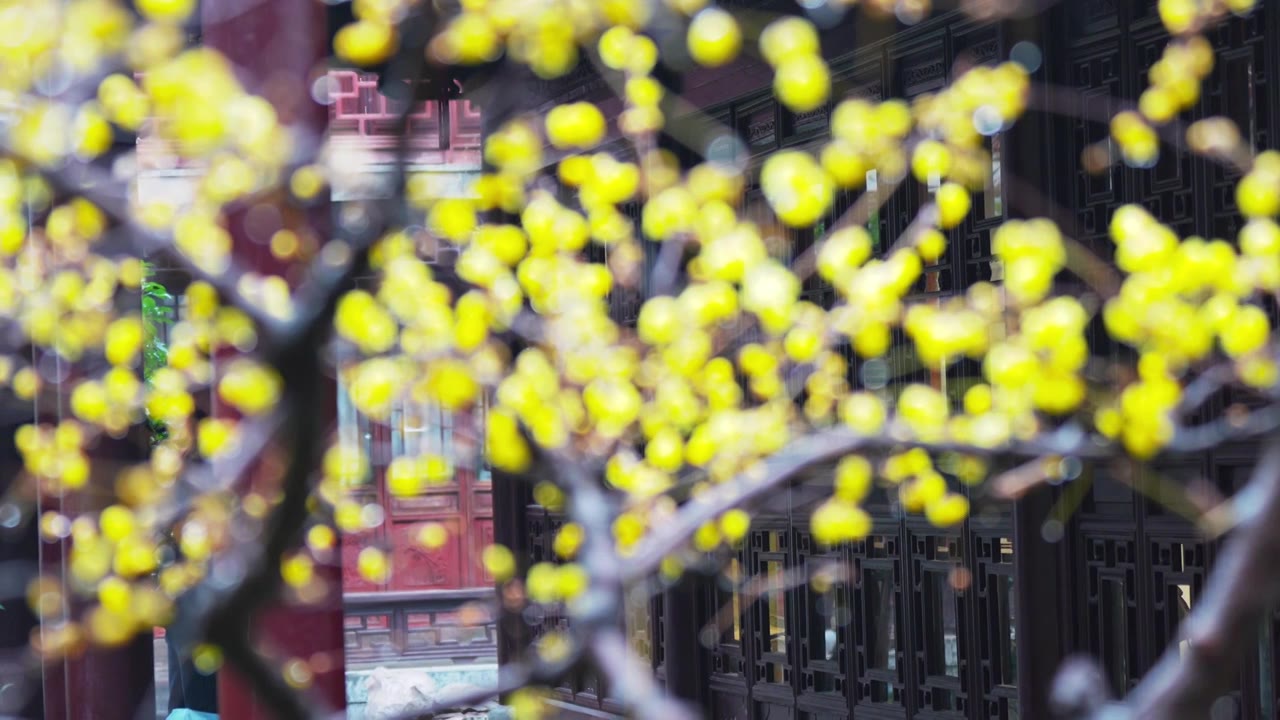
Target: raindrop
1052	531
10	515
323	88
875	374
727	149
1028	55
59	525
960	578
709	637
355	218
228	573
909	12
56	80
51	368
262	221
534	615
336	253
987	120
1070	468
822	13
1224	708
372	515
1144	163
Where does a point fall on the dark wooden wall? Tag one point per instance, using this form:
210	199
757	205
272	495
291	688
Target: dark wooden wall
1095	565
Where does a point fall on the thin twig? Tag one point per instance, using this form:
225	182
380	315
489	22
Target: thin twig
1201	438
95	184
1016	482
1071	103
762	585
1100	276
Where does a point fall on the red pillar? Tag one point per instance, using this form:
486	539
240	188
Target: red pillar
279	48
100	683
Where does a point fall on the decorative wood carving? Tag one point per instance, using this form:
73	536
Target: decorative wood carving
918	644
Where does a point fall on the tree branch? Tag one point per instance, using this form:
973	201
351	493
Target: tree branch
631	681
1239	593
816	449
1201	438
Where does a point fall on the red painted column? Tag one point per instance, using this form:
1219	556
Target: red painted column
92	682
279	48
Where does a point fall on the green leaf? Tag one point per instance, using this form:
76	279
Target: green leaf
157	311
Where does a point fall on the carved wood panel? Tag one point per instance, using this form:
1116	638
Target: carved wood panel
880	619
824	618
771	630
939	624
969	244
1167	189
415	567
1241	89
1124	560
758	125
463	503
1097	188
1110	603
482	537
368	635
352	580
996	642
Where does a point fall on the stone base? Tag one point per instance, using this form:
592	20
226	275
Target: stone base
440	677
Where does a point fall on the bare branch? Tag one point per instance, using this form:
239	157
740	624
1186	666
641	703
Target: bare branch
97	185
762	585
666	271
809	452
631	681
1192	675
1016	482
1069	102
1100	276
1209	382
1232	426
226	473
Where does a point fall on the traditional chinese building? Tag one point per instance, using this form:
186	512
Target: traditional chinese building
971	622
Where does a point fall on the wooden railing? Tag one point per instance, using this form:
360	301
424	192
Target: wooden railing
435	626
